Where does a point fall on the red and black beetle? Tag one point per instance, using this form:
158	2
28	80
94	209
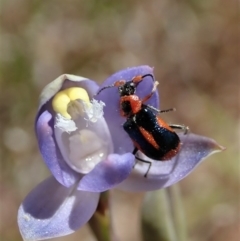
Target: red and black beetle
149	133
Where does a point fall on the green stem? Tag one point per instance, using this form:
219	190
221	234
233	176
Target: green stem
157	222
100	221
178	212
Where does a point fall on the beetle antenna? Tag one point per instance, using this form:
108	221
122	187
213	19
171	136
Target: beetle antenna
150	75
106	87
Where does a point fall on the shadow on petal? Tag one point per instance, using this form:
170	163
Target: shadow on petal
162	174
45	199
51	153
52	210
107	174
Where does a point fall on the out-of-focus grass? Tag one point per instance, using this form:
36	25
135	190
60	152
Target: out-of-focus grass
193	47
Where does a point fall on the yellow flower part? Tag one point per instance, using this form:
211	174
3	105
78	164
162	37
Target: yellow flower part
62	99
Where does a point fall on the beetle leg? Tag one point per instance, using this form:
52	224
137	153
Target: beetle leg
181	127
134	153
139	159
152	92
148	162
160	111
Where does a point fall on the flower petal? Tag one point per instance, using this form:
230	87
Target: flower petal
51	153
52	210
107	174
111	98
162	174
45	126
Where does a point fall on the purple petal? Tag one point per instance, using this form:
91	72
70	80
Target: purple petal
45	127
122	142
162	174
107	174
50	151
52	210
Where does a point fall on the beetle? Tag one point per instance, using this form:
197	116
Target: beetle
149	133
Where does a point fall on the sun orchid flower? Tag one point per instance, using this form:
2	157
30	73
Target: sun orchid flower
82	142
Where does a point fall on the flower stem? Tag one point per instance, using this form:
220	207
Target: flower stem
178	212
99	226
157	222
100	223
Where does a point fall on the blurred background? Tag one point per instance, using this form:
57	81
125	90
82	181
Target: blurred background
194	48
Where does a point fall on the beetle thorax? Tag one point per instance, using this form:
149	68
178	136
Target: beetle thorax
130	105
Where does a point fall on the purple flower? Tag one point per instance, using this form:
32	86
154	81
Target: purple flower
82	142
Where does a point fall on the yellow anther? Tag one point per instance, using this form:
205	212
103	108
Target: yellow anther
63	98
